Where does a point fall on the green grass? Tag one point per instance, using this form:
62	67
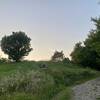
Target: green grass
65	94
98	98
27	81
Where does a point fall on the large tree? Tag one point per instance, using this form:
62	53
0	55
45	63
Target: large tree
16	46
93	40
83	56
89	54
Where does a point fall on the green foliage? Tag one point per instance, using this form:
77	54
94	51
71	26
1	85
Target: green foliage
27	81
83	56
65	94
77	52
16	46
89	53
98	98
66	60
57	56
69	76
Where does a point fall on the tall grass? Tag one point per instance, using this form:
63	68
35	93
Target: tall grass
38	84
27	81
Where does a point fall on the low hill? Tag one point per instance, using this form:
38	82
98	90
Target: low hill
42	80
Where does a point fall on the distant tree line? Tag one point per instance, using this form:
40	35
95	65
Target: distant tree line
87	53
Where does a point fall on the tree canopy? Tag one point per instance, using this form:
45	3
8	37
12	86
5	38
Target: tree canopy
57	56
88	54
16	46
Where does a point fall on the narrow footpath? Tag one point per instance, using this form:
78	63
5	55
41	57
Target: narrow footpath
87	91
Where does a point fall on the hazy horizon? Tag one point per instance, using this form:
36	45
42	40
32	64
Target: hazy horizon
51	24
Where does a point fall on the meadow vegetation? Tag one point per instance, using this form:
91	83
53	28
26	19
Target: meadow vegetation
46	80
28	81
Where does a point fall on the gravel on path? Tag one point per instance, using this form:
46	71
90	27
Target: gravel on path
87	91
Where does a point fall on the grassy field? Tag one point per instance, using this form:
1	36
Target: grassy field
28	81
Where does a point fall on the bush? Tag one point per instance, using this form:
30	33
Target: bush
66	60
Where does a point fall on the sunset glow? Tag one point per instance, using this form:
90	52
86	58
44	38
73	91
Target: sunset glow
51	24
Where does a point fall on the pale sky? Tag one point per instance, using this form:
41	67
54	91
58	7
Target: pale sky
51	24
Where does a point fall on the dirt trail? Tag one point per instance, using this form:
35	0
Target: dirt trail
87	91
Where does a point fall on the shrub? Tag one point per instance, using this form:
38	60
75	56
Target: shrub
66	60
